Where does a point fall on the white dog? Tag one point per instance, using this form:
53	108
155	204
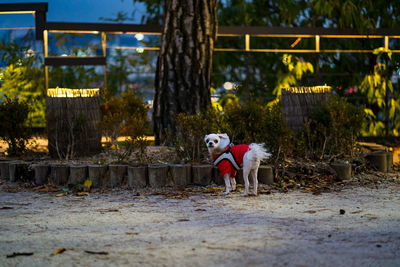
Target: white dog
229	158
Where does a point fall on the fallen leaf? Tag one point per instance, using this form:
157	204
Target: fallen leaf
15	254
183	220
200	210
213	190
357	211
60	195
87	185
342	211
310	211
107	210
59	251
97	252
46	188
81	194
131	233
6	208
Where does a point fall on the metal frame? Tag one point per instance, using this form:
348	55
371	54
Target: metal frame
38	9
43	28
237	31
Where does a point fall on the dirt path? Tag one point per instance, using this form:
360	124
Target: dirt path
294	229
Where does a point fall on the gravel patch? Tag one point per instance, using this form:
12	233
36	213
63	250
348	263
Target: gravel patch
357	226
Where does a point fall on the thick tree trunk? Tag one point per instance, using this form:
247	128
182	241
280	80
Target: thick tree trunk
183	76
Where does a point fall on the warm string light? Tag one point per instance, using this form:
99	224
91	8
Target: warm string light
309	90
67	92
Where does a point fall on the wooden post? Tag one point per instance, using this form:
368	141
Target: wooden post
97	174
343	170
4	171
18	171
59	174
181	174
42	172
158	175
265	175
77	174
137	176
202	174
117	175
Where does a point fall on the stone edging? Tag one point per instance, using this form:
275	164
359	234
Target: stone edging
117	175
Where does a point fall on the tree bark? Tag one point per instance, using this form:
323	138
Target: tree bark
183	76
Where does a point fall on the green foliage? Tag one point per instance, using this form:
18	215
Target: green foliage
191	129
73	77
332	129
245	122
279	138
295	70
253	121
126	115
345	69
382	98
13	125
23	79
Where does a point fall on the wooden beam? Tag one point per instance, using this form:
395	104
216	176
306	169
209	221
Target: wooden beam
70	61
39	9
300	31
225	30
43	7
104	27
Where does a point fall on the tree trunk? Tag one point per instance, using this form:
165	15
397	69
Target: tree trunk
183	76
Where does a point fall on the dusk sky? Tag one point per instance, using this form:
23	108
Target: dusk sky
76	11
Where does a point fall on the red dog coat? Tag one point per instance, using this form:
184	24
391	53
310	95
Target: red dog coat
230	160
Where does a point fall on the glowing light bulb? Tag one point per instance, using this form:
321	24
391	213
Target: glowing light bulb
139	36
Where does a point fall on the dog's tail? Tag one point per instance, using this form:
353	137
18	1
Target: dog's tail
258	152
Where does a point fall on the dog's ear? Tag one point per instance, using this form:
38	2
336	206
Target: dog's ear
223	136
224	140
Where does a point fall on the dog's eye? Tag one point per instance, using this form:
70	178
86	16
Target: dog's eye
215	141
207	140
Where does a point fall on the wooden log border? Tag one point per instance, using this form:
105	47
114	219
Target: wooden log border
135	177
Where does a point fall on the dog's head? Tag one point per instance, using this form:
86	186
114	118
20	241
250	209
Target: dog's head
216	143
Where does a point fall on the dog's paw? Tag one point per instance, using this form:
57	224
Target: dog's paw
244	195
226	192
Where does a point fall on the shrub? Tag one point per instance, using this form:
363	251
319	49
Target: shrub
254	122
279	138
126	115
332	129
13	125
191	129
245	123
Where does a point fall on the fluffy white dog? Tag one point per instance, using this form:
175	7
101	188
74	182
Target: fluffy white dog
229	158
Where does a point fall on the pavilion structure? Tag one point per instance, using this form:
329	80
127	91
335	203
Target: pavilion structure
388	38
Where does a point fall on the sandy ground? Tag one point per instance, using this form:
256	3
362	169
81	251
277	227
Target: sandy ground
277	229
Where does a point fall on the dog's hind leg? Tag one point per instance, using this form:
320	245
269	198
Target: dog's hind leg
246	171
227	179
255	180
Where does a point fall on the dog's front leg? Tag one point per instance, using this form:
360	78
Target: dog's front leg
227	179
233	184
